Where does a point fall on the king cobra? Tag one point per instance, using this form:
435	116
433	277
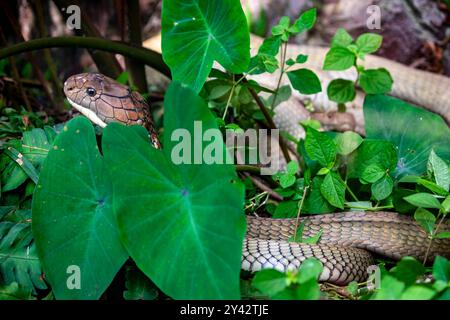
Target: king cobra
349	240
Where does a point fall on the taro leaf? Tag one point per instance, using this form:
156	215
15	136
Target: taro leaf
182	224
18	258
197	32
73	220
413	131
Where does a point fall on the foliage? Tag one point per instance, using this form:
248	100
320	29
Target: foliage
344	54
194	35
403	282
297	285
183	225
181	234
413	131
19	262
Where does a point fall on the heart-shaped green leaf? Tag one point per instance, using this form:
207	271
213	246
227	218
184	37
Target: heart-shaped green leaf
73	224
197	32
182	224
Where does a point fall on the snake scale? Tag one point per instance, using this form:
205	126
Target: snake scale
349	239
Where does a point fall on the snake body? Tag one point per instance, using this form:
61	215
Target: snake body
348	240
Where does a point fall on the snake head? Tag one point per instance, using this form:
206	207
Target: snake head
103	100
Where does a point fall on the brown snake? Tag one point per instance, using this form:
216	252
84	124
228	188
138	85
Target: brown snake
347	237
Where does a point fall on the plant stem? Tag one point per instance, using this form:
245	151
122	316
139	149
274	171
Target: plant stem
351	192
269	120
432	238
229	98
305	190
144	55
283	58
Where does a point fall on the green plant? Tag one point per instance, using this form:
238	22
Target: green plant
344	54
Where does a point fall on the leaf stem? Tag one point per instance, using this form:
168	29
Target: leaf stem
305	190
350	192
283	58
269	120
431	239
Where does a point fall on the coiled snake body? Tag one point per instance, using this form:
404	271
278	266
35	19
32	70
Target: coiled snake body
347	239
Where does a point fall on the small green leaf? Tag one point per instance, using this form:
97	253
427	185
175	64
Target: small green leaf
432	187
348	142
376	81
333	189
270	281
315	203
338	59
320	147
423	200
287	180
301	58
286	209
263	63
270	46
313	239
290	62
418	292
292	167
378	152
341	91
446	204
441	269
408	270
352	288
391	289
426	219
281	27
219	91
311	268
305	81
382	188
323	171
305	22
439	169
443	235
373	173
369	42
341	39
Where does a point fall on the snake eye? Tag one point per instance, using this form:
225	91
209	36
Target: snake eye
91	91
